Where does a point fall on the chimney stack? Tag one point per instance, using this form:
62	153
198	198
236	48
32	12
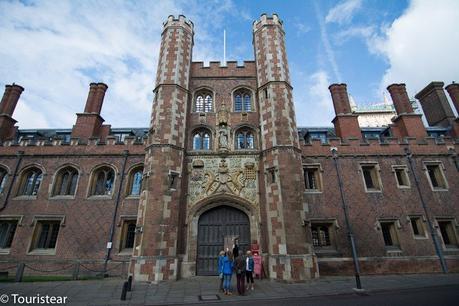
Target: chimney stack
95	98
453	91
435	105
346	123
407	123
9	101
90	123
400	99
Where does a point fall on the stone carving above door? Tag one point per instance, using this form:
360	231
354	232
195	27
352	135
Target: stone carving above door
230	175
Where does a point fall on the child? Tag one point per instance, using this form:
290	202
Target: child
249	264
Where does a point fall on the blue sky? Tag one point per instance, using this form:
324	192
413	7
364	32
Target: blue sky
56	48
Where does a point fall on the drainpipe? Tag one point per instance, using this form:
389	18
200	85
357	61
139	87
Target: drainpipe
118	196
433	232
350	234
19	155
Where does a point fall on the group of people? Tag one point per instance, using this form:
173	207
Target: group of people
234	261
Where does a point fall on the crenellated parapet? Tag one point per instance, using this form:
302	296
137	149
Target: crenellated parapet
220	70
59	146
387	147
181	22
266	20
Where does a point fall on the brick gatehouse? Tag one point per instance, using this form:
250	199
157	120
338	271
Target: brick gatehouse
223	157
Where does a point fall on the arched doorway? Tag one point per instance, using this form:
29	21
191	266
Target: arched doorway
213	226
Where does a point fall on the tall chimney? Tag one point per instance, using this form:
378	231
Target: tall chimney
435	105
8	104
407	123
90	123
453	91
346	123
95	98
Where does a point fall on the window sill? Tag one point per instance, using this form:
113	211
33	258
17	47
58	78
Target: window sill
313	191
100	197
439	189
373	190
25	198
126	252
4	251
393	250
42	252
63	197
419	237
132	197
326	252
403	187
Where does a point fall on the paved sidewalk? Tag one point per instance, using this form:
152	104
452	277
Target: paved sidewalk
108	291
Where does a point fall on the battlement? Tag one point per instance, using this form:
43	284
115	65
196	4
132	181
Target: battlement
218	69
388	146
29	142
266	20
181	21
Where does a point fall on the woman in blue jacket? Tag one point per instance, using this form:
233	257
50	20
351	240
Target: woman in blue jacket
227	270
220	268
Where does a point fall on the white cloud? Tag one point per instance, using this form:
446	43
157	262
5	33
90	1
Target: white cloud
326	43
343	12
301	28
313	98
421	45
366	32
54	49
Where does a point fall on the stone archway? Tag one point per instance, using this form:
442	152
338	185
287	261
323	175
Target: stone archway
213	226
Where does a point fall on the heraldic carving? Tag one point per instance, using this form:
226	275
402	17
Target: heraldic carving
232	175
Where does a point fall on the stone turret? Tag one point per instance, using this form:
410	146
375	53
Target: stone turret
155	255
288	245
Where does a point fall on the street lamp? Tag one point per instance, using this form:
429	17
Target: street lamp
334	152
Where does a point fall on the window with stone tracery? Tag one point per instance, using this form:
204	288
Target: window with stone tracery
201	140
242	100
245	139
66	182
30	182
203	102
103	181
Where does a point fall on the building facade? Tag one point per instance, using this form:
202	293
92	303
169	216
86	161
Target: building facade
223	158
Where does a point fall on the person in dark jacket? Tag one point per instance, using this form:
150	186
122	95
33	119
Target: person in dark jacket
220	268
235	248
227	269
239	266
249	265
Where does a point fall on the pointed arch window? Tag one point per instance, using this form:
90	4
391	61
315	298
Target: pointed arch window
135	182
66	182
201	140
103	181
245	139
203	102
30	182
3	178
242	101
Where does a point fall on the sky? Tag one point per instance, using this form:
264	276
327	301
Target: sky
54	49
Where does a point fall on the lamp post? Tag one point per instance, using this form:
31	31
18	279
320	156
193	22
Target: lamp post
433	233
350	234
